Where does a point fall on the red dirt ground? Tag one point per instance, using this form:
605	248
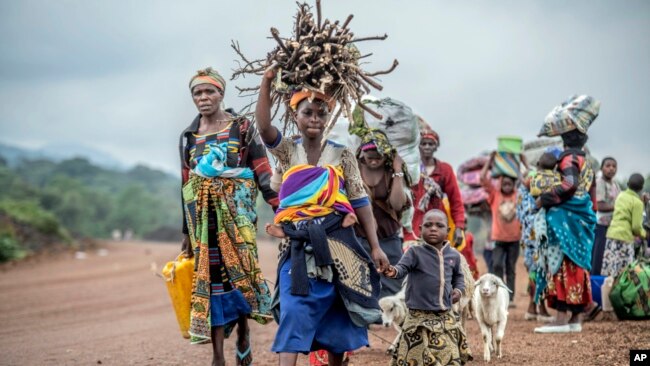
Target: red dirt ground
112	310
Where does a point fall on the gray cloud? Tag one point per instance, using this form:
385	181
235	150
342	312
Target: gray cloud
114	74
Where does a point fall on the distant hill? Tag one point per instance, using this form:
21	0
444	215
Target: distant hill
48	199
59	152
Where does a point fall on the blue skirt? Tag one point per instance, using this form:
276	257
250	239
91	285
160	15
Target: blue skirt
316	321
227	307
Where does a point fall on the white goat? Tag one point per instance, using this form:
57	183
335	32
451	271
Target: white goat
393	312
490	303
464	306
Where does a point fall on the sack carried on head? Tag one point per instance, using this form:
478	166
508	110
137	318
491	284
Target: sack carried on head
578	112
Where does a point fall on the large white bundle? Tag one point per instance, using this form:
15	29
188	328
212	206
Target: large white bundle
401	127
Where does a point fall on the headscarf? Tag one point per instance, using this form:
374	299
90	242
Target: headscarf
576	113
426	132
208	76
373	139
301	95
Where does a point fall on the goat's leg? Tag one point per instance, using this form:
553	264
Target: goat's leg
393	346
487	341
501	329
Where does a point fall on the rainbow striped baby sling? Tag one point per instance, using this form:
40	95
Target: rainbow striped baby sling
309	191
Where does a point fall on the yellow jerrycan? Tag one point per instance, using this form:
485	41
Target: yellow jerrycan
178	276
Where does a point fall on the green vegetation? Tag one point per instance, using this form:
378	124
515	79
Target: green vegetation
74	199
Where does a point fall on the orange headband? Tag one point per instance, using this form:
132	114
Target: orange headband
205	80
298	97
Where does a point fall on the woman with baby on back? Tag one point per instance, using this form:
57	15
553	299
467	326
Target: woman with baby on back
570	218
328	285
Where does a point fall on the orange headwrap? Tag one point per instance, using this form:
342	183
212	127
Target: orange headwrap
208	76
299	96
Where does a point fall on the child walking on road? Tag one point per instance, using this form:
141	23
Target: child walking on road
430	292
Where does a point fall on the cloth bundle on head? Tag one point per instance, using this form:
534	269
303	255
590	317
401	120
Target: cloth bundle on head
301	95
505	164
577	112
372	138
397	124
309	191
208	76
426	132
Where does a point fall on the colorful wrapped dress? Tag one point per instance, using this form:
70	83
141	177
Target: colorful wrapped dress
327	287
221	173
565	258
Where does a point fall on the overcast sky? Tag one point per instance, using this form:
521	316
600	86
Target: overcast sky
113	74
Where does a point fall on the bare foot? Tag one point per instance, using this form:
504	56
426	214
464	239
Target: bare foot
532	309
542	310
275	230
349	220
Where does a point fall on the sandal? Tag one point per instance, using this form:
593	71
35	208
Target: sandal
244	358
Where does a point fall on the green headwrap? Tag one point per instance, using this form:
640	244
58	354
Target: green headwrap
208	76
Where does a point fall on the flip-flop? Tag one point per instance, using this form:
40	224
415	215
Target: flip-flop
554	329
575	327
242	355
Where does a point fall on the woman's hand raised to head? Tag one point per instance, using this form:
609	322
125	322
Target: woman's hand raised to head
397	163
268	133
270	72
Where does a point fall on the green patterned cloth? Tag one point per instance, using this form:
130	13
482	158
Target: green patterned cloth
233	201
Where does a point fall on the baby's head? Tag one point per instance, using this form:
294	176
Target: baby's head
547	161
435	227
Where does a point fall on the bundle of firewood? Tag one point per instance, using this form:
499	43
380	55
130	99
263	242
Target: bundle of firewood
320	56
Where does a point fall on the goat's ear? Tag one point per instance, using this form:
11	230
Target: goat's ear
503	285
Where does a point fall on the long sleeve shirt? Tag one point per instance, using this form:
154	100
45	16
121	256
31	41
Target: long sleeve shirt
433	275
627	221
577	179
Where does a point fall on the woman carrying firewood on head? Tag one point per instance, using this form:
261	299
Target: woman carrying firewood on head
327	284
327	288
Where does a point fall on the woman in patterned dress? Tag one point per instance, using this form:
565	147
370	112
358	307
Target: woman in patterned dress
222	167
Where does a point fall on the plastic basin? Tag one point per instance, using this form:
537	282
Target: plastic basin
509	144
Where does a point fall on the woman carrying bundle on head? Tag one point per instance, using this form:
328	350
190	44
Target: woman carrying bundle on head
328	285
222	167
385	176
570	218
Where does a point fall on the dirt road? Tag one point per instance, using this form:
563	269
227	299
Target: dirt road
111	310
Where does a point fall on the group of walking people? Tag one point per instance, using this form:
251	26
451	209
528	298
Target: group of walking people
339	214
337	211
570	222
